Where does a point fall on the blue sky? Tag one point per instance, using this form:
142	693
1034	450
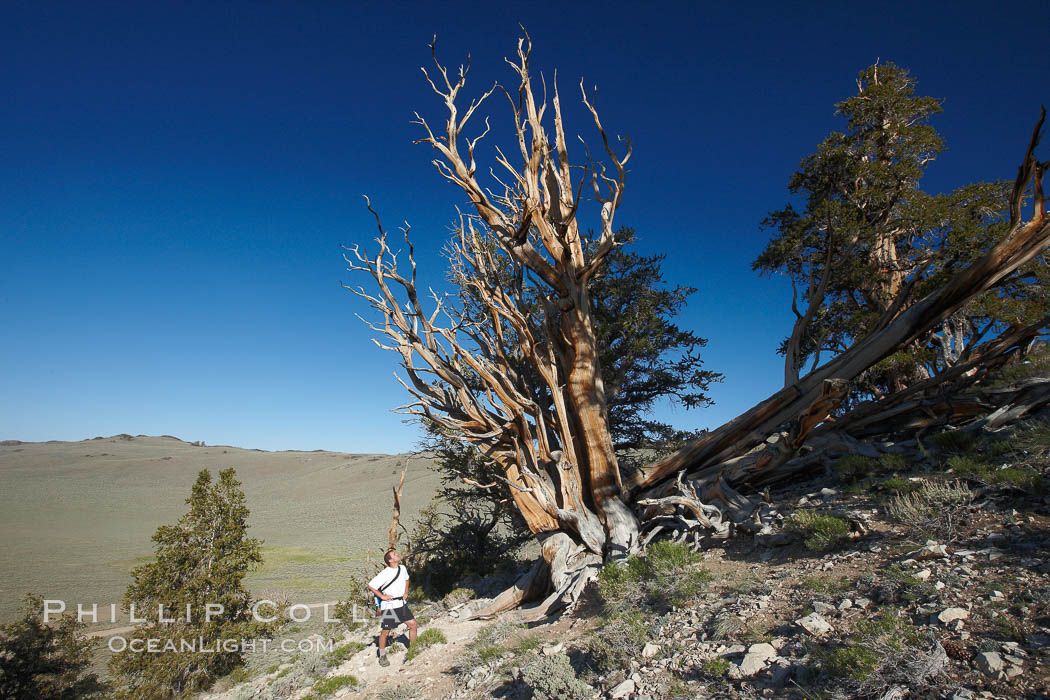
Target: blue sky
176	178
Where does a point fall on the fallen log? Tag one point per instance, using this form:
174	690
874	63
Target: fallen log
1023	241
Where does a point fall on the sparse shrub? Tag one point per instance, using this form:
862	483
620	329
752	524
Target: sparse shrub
666	574
935	510
427	638
674	688
1018	478
1034	438
826	586
404	691
892	462
855	466
958	442
457	596
553	678
1008	627
395	648
618	583
352	612
726	626
344	651
304	668
285	685
883	651
757	630
821	532
717	667
746	585
618	640
528	643
486	647
328	686
851	662
896	484
238	675
899	585
969	467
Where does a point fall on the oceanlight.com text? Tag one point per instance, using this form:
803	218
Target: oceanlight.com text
155	645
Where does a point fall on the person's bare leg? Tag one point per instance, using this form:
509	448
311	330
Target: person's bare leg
412	631
382	640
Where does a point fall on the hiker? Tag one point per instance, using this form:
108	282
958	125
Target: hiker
390	587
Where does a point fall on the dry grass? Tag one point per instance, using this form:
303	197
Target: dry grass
78	516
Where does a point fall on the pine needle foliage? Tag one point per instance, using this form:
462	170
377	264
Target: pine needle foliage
200	560
39	660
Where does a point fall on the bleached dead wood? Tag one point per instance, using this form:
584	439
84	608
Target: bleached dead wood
467	358
1023	241
392	535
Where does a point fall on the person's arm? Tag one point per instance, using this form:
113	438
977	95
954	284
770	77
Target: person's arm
379	594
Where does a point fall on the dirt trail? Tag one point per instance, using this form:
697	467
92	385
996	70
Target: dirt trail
427	671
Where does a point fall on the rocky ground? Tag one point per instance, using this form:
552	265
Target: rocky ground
855	595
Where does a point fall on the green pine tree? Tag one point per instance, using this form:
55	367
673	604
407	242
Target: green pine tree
201	560
46	661
867	241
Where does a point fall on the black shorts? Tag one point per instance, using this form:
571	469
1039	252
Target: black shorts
393	617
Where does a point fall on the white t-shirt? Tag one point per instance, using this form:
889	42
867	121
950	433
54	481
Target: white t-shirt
395	589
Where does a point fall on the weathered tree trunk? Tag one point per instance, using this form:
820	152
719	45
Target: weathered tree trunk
392	535
516	249
522	245
1023	242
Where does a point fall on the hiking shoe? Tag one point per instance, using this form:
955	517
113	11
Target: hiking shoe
383	661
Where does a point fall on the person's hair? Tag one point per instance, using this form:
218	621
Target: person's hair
386	557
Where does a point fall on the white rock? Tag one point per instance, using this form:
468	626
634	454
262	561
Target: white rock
846	604
990	663
751	664
932	551
950	614
763	651
622	690
552	650
814	624
924	575
650	650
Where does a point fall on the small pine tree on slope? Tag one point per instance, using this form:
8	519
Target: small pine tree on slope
201	560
